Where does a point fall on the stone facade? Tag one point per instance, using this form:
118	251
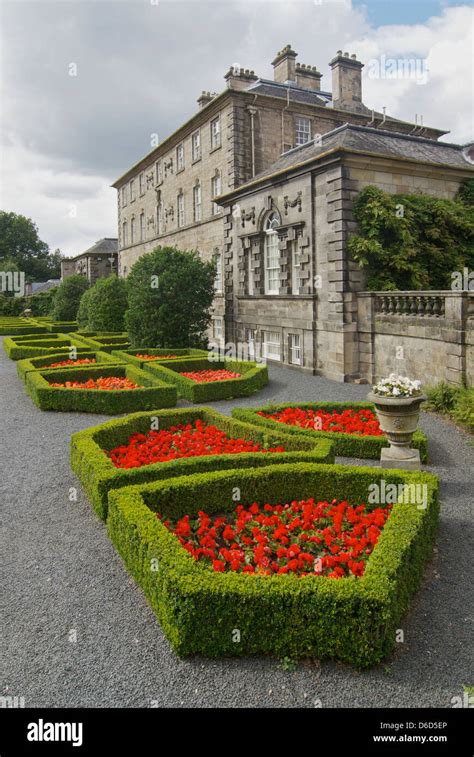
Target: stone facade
99	261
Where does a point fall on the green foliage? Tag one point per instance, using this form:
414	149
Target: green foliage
11	305
68	297
151	394
419	250
170	294
466	192
353	620
37	363
130	356
345	445
19	242
42	303
98	475
35	345
455	401
103	306
254	376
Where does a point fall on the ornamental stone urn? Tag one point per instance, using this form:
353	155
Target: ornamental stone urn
398	418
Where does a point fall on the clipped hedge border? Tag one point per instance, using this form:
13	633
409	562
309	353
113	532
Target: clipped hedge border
99	476
353	620
153	393
345	445
255	377
20	348
42	363
10	329
106	343
182	353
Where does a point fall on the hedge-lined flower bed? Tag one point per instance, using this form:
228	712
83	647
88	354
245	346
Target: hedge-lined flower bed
358	418
12	326
203	611
105	342
94	450
48	362
36	345
252	377
43	386
143	355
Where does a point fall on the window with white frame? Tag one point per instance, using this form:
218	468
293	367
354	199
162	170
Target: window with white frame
180	205
159	171
180	157
295	271
250	336
142	227
197	208
196	145
272	345
141	183
132	231
159	217
218	279
295	349
124	196
216	188
272	256
218	328
132	190
215	133
302	130
124	234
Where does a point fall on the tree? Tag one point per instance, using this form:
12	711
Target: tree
19	242
42	303
170	293
106	303
410	241
83	310
68	297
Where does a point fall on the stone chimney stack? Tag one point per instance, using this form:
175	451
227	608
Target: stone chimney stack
308	77
240	78
205	99
285	65
347	82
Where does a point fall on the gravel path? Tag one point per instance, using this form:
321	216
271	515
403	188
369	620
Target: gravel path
61	574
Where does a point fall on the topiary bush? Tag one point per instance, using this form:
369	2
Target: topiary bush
83	309
68	297
170	293
105	305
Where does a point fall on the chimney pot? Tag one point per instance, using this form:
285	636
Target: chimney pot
284	65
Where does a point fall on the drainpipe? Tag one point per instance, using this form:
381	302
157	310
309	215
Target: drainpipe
283	118
384	109
252	110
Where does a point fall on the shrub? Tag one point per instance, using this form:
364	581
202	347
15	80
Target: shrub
463	410
98	475
151	394
35	345
11	305
68	297
37	363
455	401
441	397
349	619
83	309
170	294
345	445
106	303
254	376
130	356
42	303
419	250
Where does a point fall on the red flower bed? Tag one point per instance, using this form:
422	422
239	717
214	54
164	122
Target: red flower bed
155	357
203	377
179	441
306	538
108	383
82	361
350	421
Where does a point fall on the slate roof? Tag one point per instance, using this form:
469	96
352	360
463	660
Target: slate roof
296	94
102	247
44	286
364	139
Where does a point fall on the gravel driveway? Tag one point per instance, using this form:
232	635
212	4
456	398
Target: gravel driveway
61	575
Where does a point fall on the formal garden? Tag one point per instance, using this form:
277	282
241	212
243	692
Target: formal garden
253	524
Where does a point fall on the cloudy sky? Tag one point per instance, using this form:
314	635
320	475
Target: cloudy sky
85	83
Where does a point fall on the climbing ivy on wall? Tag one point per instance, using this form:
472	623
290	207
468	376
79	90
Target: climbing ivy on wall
413	241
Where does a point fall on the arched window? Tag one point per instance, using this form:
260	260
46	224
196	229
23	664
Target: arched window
272	255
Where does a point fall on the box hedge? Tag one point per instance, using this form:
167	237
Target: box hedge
20	348
37	363
151	394
131	355
353	620
345	445
254	377
20	326
98	475
105	342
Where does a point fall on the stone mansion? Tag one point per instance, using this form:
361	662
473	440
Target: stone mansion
262	179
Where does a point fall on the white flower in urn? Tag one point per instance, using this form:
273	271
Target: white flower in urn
397	386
